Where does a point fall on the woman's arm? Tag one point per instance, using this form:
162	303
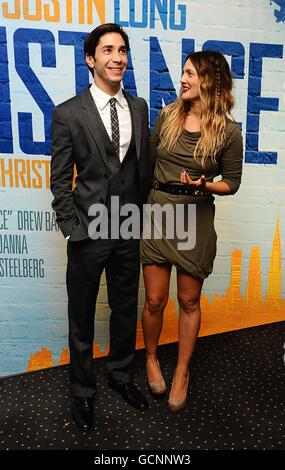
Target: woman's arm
231	159
219	187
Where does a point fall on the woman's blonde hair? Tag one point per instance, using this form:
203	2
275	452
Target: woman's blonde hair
217	101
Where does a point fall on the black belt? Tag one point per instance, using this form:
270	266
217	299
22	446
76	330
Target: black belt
179	189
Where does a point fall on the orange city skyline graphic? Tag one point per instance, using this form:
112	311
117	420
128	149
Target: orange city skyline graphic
230	311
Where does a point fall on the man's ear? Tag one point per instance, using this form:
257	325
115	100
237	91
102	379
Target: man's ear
90	61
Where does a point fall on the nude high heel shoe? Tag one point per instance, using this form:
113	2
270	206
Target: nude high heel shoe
158	387
177	403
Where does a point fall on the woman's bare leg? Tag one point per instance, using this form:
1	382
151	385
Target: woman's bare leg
189	294
156	279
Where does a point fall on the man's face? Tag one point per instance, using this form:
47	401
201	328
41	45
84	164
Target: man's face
110	61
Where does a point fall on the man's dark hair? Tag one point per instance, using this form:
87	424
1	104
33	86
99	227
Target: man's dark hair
93	38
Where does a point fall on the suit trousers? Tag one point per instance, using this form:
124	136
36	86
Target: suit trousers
86	261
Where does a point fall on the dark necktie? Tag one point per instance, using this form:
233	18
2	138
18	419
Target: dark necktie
115	126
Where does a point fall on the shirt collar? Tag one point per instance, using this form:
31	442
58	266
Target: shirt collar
102	98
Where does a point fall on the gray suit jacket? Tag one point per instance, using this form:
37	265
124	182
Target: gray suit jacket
78	136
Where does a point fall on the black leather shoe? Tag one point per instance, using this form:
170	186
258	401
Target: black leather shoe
82	412
130	394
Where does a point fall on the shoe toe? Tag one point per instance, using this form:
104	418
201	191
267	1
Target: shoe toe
82	413
131	395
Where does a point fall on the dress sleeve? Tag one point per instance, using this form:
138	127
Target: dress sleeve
231	159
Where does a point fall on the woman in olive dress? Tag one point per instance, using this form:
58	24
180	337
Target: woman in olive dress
193	141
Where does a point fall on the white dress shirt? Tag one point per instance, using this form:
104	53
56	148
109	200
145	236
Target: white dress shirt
101	100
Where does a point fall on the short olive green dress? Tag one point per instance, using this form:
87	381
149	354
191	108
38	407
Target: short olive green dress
197	261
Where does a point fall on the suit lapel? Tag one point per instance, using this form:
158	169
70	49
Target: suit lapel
96	126
136	120
94	123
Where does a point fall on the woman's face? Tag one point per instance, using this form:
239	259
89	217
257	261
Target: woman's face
190	82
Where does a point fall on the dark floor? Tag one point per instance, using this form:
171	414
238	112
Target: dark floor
236	401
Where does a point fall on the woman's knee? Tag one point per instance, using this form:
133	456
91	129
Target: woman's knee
189	305
156	305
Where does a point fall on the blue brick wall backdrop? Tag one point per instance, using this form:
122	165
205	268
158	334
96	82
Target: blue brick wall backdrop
42	64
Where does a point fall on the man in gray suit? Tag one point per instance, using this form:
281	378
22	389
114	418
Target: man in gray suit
104	132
